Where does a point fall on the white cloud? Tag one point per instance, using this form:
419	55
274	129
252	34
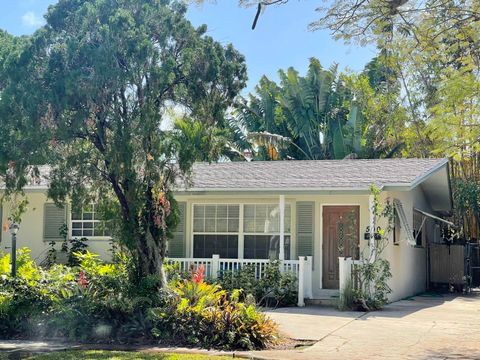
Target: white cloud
30	19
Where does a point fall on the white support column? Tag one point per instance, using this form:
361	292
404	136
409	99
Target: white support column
215	266
308	277
301	281
371	242
241	236
344	271
281	254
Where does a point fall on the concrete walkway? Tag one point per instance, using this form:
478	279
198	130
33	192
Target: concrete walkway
445	327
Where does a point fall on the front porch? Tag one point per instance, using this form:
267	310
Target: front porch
215	266
306	234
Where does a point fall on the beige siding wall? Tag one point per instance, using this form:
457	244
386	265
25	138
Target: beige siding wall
31	230
31	227
408	263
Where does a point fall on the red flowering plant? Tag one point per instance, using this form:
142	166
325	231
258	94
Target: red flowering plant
162	208
82	280
198	275
196	288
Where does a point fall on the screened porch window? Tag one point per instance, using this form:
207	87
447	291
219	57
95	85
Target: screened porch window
261	227
215	230
87	222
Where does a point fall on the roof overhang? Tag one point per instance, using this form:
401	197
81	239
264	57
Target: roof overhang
278	191
435	184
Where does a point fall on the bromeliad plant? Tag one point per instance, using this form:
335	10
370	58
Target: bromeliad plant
202	314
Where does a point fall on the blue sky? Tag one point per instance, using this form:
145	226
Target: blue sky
280	40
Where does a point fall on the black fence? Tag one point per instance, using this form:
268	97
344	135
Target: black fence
472	264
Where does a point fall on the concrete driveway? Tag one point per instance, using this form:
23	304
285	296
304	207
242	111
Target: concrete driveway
425	327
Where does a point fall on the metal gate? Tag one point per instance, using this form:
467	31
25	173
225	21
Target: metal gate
472	264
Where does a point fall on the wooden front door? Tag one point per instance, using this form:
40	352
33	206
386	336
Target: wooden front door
340	238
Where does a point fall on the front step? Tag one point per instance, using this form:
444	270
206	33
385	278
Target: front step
325	297
321	302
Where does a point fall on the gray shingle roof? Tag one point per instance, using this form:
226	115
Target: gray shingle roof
311	175
297	175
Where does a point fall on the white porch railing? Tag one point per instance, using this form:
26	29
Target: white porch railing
302	268
345	270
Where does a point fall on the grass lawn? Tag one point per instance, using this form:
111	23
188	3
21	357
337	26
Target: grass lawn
117	355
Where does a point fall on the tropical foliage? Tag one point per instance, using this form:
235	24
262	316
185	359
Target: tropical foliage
275	288
323	115
430	52
202	313
96	302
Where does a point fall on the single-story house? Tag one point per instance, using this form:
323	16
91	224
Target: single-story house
311	214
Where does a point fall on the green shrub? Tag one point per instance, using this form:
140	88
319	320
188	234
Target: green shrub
97	302
275	288
370	291
201	314
21	302
174	273
348	298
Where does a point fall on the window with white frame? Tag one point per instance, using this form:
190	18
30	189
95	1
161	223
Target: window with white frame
261	227
215	230
87	222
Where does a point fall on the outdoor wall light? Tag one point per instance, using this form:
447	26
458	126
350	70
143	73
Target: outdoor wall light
14	227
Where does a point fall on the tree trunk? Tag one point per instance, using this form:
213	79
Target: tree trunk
151	254
150	237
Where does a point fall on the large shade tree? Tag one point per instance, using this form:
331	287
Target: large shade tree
90	94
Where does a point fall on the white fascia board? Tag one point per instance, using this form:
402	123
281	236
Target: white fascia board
429	173
275	191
